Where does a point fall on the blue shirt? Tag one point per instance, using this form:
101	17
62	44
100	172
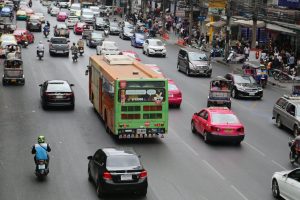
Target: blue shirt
41	151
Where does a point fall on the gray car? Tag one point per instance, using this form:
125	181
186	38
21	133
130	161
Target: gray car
94	39
286	112
59	45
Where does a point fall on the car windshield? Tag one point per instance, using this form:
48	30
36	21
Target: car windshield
58	87
172	87
87	12
112	24
218	118
97	36
244	79
110	45
140	36
59	41
194	56
63	1
123	161
155	43
61	26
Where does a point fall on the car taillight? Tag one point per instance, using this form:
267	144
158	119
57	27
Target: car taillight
241	130
41	162
107	176
68	94
143	174
215	129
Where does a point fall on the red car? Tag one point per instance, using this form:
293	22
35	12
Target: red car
175	96
78	28
61	16
131	54
218	124
18	32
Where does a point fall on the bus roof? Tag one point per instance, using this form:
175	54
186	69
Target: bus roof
120	67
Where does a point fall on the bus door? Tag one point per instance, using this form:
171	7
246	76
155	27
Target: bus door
100	96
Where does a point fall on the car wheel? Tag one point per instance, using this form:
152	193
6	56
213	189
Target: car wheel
187	71
72	107
275	189
144	51
99	191
90	176
44	105
296	131
233	93
193	127
205	137
278	121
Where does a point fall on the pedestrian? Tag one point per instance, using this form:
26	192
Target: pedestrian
206	38
246	52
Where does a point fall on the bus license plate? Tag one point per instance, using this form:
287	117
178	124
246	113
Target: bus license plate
126	177
42	166
141	131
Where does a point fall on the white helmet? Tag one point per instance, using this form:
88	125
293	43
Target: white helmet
41	42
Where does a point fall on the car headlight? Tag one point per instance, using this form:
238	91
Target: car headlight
240	88
192	66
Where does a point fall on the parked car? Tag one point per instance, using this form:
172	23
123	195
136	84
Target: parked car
175	95
96	10
71	21
54	11
57	93
100	22
218	124
41	17
34	24
137	40
286	184
61	30
131	54
114	28
107	48
18	32
193	62
61	16
244	86
59	45
126	32
94	39
286	112
78	28
117	170
87	16
154	47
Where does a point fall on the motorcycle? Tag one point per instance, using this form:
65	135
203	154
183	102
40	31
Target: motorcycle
24	44
81	50
40	54
74	57
106	32
46	33
42	169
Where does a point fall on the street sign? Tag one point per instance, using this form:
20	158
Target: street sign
201	18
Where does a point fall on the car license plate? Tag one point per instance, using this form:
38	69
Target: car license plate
42	166
251	93
13	80
228	130
126	177
201	71
141	131
59	97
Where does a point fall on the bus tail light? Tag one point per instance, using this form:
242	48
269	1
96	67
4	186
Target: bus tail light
147	124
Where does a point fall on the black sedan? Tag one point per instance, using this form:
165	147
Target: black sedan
117	170
244	86
57	93
94	39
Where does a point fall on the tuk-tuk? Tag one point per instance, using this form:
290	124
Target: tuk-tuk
258	71
219	92
13	49
87	29
13	72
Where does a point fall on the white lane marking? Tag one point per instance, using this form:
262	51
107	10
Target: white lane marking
254	148
239	192
279	165
181	140
214	170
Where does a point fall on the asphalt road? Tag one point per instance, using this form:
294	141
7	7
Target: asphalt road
180	166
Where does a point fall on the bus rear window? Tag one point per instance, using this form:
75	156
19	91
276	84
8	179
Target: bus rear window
130	116
152	116
152	108
130	108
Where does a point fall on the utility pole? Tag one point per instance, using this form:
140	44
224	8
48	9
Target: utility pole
190	20
228	16
254	27
164	16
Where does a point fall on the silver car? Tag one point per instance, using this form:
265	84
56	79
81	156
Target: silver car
107	48
71	21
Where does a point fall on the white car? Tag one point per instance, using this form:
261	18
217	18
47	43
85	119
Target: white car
154	47
87	16
54	11
63	3
96	10
41	17
75	9
108	48
71	21
286	184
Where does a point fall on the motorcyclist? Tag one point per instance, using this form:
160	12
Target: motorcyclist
74	50
40	150
295	148
48	24
46	29
106	30
40	48
24	39
80	43
30	3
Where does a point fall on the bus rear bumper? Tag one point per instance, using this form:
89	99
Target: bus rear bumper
141	133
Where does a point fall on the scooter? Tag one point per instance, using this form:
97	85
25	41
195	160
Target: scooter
81	50
42	169
231	56
106	32
24	44
74	57
40	54
46	33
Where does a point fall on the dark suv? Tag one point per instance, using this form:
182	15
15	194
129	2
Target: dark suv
117	170
193	63
286	112
59	45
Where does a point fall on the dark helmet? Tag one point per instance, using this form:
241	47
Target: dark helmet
74	44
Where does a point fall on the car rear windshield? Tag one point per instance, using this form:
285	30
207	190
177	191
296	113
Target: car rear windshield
58	87
172	87
224	118
59	41
244	79
126	161
194	56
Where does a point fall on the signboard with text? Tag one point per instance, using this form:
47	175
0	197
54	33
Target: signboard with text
217	3
289	3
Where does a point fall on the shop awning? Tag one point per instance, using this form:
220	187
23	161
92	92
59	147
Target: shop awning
217	24
249	23
277	28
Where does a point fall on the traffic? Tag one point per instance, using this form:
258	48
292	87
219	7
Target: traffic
94	72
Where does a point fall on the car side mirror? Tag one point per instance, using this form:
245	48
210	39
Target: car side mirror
40	85
90	157
71	84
